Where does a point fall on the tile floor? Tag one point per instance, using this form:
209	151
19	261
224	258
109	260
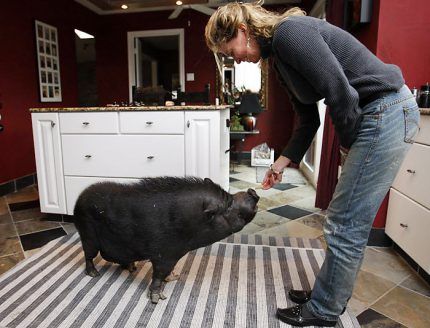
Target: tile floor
387	293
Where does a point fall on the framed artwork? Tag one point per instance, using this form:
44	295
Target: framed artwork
48	62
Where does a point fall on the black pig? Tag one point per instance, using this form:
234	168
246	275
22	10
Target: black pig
157	219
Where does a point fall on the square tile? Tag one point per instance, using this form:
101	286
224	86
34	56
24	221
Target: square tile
35	225
5	218
416	283
368	289
23	205
404	306
386	265
28	214
38	239
7	230
9	246
289	212
284	186
372	319
24	195
8	262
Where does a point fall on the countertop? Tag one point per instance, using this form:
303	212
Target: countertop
424	111
129	108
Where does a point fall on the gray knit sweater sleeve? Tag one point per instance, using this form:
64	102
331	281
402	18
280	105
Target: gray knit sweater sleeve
317	60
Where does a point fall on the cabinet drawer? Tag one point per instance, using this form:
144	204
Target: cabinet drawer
423	135
152	122
123	156
413	178
408	224
75	185
89	123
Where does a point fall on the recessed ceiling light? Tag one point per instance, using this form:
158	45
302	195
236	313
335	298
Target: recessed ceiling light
179	3
124	7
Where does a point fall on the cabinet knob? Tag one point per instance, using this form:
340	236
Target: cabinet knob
150	157
403	225
149	123
410	171
227	151
85	123
188	124
52	124
87	156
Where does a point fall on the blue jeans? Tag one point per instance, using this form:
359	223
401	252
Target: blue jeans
386	133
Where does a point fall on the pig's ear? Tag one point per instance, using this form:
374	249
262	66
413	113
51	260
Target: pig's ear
207	180
211	210
253	194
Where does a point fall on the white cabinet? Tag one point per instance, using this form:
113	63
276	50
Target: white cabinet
207	141
76	149
408	216
48	153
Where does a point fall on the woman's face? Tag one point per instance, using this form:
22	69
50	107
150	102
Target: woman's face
240	49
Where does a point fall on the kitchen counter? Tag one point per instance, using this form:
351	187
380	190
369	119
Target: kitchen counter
130	108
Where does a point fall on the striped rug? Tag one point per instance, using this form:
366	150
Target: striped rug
227	284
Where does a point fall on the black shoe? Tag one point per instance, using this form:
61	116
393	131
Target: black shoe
299	316
299	296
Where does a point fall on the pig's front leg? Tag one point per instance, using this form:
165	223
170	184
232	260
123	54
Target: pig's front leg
161	269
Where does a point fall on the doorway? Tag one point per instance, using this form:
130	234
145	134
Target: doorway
86	66
156	60
310	165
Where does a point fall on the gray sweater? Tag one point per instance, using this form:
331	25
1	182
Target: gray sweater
317	60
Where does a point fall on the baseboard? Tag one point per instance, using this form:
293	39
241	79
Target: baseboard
379	238
17	184
414	265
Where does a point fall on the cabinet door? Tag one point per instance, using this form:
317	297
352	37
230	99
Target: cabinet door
202	145
49	165
225	149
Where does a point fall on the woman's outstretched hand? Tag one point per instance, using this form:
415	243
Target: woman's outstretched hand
274	173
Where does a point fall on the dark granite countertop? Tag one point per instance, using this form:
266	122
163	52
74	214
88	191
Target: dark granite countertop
129	108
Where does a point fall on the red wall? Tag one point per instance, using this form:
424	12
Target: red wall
404	38
111	48
399	34
18	66
19	77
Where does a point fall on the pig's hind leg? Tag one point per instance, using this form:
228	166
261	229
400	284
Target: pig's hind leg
89	245
161	271
129	266
90	252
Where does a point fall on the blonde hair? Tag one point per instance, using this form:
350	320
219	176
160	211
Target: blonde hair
224	22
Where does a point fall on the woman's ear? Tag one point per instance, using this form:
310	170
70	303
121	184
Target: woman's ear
242	27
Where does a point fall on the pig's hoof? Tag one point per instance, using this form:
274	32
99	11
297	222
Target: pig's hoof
172	276
92	272
155	297
130	267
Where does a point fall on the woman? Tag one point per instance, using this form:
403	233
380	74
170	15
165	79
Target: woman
374	114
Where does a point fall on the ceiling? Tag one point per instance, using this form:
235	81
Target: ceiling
106	7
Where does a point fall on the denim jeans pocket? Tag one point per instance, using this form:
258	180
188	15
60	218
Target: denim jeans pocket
412	119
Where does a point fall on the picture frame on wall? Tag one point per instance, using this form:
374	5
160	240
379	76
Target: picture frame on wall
48	62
